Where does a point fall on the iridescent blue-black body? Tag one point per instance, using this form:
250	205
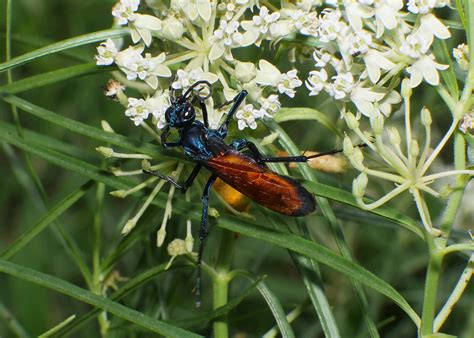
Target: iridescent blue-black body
245	173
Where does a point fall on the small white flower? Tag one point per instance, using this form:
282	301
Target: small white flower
224	38
142	26
269	105
137	110
304	22
425	68
196	8
341	86
147	68
386	14
269	75
421	6
231	7
431	26
371	102
374	62
288	82
246	117
316	81
157	105
415	46
124	11
106	53
331	25
129	61
321	58
360	42
260	26
185	79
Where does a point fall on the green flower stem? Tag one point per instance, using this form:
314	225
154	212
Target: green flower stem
431	287
97	276
221	280
12	323
455	295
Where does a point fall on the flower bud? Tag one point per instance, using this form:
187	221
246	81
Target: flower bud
359	184
106	126
377	122
105	151
160	236
245	71
119	193
414	148
406	88
426	117
357	159
394	136
172	29
129	226
347	146
351	121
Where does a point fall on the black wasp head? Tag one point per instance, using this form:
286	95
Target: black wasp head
180	114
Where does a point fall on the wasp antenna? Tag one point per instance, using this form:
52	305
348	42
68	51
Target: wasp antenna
194	85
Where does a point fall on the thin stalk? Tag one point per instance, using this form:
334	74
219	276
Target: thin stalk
455	295
221	281
431	288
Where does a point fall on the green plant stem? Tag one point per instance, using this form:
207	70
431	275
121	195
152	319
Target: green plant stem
97	275
221	281
431	287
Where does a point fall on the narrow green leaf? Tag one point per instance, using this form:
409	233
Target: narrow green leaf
55	76
92	132
291	114
310	273
128	287
461	14
53	214
277	310
63	45
58	327
220	311
448	75
320	254
345	197
88	297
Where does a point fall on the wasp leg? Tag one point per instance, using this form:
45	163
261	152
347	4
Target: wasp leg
203	234
241	144
237	102
189	181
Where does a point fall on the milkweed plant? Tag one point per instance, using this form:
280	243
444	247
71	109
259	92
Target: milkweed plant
372	64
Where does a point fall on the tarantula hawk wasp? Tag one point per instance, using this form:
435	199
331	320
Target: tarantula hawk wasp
245	173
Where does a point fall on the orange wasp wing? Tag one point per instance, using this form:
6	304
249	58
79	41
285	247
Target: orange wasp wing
275	192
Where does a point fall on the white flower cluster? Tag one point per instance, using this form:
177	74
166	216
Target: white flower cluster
365	44
361	46
202	36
